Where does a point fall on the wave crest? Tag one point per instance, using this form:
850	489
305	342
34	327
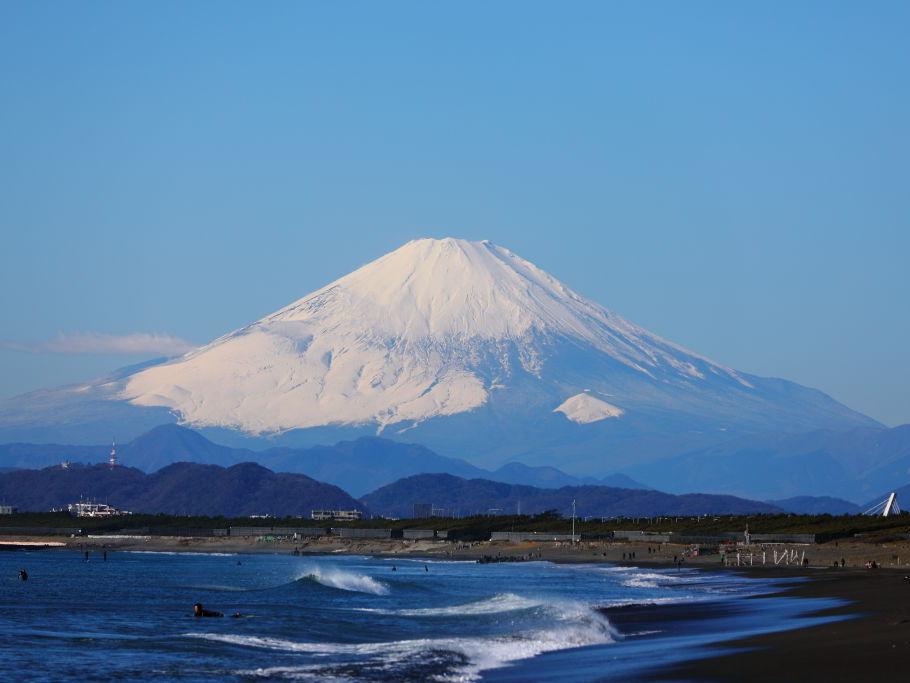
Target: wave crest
503	602
576	625
344	580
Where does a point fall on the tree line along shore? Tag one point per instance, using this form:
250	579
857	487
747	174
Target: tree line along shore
822	528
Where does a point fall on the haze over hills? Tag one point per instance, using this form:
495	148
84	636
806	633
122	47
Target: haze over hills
357	466
817	505
856	464
461	346
477	496
804	469
182	488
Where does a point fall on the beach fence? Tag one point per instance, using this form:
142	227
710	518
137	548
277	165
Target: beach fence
780	557
649	536
183	531
522	536
719	537
420	534
807	539
788	556
40	531
346	532
278	531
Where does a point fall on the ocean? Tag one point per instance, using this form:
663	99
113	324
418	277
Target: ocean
344	618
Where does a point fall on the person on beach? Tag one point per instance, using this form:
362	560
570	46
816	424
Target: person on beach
199	611
23	575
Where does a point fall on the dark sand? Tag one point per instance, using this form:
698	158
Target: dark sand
873	643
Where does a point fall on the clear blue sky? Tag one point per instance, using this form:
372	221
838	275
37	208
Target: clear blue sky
733	176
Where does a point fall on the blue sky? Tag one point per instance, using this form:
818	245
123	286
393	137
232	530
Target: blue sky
734	178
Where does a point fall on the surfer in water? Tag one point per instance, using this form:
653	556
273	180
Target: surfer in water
23	575
199	611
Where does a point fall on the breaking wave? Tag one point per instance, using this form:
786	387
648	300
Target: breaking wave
457	658
504	602
344	580
652	580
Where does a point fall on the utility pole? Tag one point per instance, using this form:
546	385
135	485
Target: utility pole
573	520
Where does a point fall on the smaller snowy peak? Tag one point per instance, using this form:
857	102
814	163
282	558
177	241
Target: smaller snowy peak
583	409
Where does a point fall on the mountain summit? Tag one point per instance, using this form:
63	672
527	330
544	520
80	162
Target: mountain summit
463	346
431	329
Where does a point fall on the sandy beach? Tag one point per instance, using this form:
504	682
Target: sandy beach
872	641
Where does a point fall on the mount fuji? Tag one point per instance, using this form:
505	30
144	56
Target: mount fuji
462	346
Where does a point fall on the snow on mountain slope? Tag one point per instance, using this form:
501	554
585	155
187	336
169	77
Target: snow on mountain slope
428	330
585	409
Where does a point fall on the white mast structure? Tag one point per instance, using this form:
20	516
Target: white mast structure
886	508
113	459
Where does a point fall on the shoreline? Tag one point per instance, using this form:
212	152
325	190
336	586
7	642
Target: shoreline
869	637
853	553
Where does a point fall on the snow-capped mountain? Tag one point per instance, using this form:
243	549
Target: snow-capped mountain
472	350
431	329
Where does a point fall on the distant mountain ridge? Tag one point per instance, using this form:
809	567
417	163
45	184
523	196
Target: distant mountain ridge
800	470
356	466
817	505
181	488
477	496
854	465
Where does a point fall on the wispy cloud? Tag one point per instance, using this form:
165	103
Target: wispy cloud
96	342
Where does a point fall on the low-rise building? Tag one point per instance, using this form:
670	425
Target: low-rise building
338	515
92	509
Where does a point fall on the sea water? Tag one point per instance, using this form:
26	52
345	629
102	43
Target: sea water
356	618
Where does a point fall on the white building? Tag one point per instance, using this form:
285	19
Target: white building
338	515
90	509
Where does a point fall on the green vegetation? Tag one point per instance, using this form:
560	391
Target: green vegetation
826	527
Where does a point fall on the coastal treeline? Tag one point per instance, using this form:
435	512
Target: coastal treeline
824	527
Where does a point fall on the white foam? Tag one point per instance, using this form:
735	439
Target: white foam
651	601
187	553
652	580
419	560
639	583
504	602
344	580
577	626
